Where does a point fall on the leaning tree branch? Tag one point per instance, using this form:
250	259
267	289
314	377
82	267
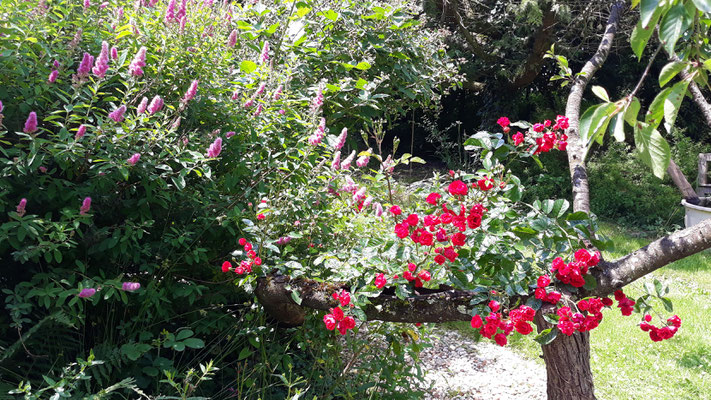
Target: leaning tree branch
616	274
576	149
429	305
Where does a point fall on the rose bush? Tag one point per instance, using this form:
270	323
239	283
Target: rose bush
139	138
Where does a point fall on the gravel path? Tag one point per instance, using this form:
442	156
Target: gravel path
459	369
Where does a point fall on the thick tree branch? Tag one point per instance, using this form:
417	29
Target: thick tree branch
699	99
576	149
543	40
678	245
274	293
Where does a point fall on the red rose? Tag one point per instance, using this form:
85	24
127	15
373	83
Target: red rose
494	305
458	188
432	198
523	327
517	138
543	281
476	322
226	266
396	210
503	122
425	275
330	321
485	184
459	239
380	281
412	219
500	339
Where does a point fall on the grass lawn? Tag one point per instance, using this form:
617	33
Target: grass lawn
626	363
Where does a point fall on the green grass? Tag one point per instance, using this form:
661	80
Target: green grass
626	363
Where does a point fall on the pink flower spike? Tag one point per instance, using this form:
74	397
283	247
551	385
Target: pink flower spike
104	5
232	39
31	123
138	62
259	110
55	64
133	159
102	62
114	53
192	91
85	206
170	12
156	105
215	148
336	163
362	161
117	114
229	134
53	76
87	4
85	65
264	57
342	139
21	207
142	105
130	286
317	102
80	132
278	92
260	89
86	293
346	164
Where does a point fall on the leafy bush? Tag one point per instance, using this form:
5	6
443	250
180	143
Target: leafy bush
115	195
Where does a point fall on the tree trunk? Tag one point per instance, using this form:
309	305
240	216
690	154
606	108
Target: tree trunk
568	365
568	357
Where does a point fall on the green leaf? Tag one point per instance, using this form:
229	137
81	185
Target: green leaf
703	5
248	66
547	336
360	83
642	33
593	124
670	71
185	333
295	296
246	352
673	102
124	172
674	24
617	127
363	65
631	111
600	92
647	10
590	282
656	109
577	216
667	304
194	343
653	148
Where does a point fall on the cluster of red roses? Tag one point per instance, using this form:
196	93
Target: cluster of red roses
336	319
542	294
659	334
569	322
494	326
573	273
245	266
625	304
551	138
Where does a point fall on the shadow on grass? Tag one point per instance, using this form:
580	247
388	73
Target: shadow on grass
698	359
